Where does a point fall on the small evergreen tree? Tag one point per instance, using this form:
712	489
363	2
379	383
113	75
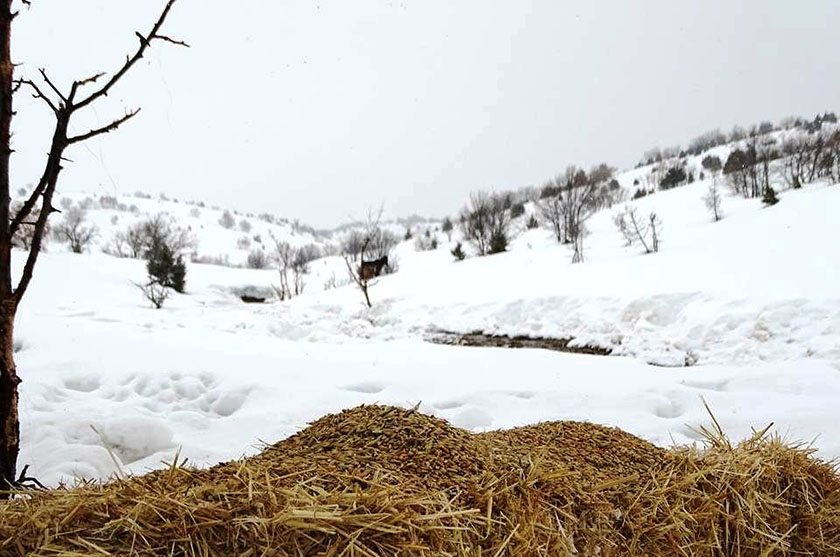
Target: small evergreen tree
675	176
532	223
712	163
179	275
769	198
498	242
166	269
447	227
458	252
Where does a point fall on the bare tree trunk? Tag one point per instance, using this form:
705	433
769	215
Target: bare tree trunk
9	428
364	286
9	425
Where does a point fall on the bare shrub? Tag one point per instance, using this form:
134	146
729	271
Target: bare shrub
257	259
24	234
635	228
137	241
572	200
108	202
295	262
486	218
243	242
219	260
154	292
655	227
74	231
713	199
425	241
227	220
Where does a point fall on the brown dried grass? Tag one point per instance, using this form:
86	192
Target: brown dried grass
378	480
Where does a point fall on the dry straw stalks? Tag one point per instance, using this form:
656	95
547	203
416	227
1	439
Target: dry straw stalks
378	480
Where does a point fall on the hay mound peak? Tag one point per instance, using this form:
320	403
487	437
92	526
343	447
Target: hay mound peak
380	480
385	439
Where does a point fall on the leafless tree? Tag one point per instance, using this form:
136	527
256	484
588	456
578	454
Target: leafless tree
713	199
64	103
655	227
294	261
138	240
257	259
74	231
622	223
475	222
748	170
303	256
117	246
485	222
575	200
809	158
367	252
635	228
552	210
425	242
227	220
25	234
285	254
831	159
154	292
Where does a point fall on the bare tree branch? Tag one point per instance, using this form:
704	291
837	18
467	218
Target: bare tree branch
37	93
171	40
52	85
87	80
145	41
105	129
46	186
28	205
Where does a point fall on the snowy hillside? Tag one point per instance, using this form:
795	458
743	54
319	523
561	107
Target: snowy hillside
743	313
750	301
212	239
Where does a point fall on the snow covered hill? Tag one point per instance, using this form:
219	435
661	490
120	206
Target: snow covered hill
743	312
227	244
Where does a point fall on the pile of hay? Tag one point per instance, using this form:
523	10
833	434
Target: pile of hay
378	480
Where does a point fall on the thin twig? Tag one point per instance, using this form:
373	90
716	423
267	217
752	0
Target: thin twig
105	129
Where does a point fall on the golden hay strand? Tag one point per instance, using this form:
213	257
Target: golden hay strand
379	480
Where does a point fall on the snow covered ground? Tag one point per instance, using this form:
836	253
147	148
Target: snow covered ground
751	301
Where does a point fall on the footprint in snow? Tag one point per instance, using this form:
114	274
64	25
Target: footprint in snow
669	409
448	404
83	383
525	395
719	386
365	387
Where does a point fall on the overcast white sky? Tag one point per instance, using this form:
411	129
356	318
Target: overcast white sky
321	109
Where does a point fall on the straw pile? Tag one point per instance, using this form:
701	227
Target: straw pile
378	480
